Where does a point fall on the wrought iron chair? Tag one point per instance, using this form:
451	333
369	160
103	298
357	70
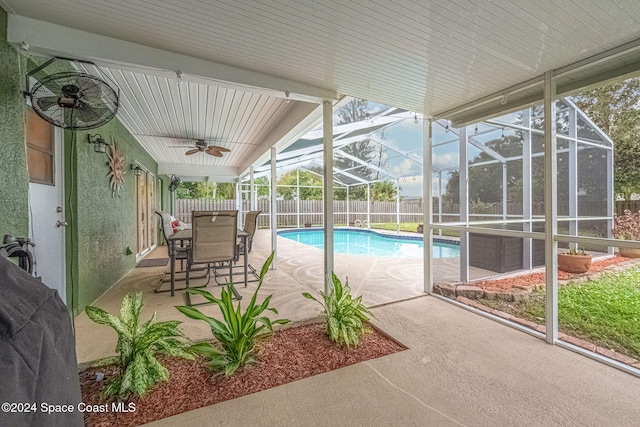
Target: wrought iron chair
213	244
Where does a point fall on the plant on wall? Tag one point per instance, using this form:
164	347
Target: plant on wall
345	316
239	332
116	168
137	348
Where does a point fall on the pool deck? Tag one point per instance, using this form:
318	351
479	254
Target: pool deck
299	268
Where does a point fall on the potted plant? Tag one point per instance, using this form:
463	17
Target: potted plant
574	261
627	227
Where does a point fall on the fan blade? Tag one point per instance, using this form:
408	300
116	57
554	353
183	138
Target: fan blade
90	90
214	153
215	147
90	114
192	151
47	102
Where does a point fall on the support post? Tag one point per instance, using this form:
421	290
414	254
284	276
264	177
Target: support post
398	205
252	190
347	205
550	208
274	209
327	196
464	204
527	207
610	198
368	205
573	175
440	201
427	206
505	195
297	197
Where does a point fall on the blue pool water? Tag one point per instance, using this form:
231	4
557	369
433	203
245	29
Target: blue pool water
365	242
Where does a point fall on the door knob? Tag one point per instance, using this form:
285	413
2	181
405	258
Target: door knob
61	223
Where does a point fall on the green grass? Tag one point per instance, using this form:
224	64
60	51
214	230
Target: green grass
604	311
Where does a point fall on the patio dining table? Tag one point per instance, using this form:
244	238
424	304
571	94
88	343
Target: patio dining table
186	236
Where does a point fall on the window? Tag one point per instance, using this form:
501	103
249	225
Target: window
40	149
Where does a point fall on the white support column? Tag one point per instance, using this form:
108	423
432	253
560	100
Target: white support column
274	209
464	204
440	201
368	205
610	198
297	198
347	205
505	201
573	175
252	190
327	130
550	208
527	208
398	206
239	202
427	196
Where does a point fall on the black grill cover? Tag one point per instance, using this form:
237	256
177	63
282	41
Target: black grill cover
37	353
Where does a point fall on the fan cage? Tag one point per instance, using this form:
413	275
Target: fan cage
94	103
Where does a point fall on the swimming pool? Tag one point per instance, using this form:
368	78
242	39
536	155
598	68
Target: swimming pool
370	243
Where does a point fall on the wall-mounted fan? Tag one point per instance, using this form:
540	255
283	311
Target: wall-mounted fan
202	146
71	100
175	182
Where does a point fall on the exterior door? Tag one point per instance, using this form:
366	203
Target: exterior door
146	223
46	201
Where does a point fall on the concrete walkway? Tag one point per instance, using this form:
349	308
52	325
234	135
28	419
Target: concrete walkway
460	370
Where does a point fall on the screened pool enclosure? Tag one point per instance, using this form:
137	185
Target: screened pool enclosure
488	177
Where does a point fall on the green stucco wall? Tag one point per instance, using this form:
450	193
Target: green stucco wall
14	183
103	224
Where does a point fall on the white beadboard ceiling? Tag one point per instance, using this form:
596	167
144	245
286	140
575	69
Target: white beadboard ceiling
241	56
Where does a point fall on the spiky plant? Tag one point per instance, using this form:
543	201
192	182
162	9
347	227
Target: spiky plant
344	316
137	348
238	333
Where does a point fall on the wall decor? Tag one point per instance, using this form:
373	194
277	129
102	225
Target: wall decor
117	170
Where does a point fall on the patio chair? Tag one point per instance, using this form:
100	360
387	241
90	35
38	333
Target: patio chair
250	225
213	244
178	251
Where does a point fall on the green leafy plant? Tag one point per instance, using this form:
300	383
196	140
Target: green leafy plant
575	251
238	334
345	316
627	226
137	348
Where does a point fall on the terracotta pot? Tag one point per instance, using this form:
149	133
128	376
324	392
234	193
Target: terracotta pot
574	263
629	252
307	224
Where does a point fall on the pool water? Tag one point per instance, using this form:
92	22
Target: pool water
369	243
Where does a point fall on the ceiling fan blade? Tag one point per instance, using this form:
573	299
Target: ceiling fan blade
192	151
214	153
217	148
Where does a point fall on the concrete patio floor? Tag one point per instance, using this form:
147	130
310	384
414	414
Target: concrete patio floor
299	269
460	368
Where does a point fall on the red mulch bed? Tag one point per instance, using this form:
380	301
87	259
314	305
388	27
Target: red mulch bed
597	266
289	355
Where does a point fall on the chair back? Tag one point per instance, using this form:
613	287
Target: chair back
214	236
250	225
167	229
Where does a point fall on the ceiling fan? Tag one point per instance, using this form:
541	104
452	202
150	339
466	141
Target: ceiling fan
212	150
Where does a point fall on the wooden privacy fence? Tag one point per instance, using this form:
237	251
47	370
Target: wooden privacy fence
310	211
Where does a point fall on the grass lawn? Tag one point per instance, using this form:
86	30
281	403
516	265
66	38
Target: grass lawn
604	311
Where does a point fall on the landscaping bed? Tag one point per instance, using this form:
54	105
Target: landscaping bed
288	355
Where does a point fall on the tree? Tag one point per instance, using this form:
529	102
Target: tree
615	109
307	179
